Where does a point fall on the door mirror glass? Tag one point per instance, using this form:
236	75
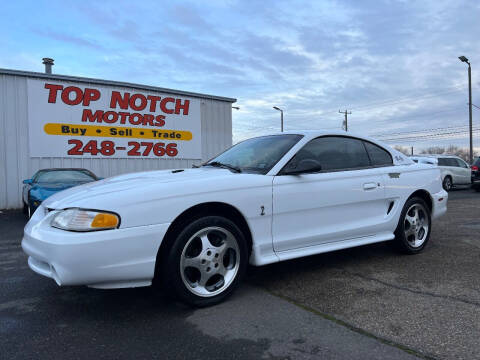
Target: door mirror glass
27	181
302	167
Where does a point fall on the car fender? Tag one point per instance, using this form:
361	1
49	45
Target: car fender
446	173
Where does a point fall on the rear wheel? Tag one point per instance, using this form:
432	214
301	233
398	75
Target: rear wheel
207	261
447	183
413	229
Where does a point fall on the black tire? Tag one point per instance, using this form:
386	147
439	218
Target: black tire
174	277
447	183
29	211
401	241
476	188
25	209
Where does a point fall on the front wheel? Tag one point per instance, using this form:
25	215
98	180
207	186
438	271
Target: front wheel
413	229
207	261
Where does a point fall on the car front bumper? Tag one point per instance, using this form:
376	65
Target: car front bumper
101	259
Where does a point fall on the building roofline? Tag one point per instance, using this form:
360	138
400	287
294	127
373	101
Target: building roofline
112	83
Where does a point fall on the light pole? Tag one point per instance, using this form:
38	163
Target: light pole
236	107
281	117
465	60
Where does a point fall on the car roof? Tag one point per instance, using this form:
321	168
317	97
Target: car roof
326	132
58	169
397	157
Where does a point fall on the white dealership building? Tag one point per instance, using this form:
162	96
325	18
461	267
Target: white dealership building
108	127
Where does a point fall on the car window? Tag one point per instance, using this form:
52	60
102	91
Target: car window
335	153
477	162
57	176
378	156
37	174
442	162
452	162
461	163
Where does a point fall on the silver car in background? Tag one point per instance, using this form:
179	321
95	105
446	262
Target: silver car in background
454	170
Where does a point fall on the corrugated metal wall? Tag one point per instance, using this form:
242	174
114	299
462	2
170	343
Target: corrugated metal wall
16	165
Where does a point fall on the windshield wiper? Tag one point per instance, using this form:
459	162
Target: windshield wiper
222	165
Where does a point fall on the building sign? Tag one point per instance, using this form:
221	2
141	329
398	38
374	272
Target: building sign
72	120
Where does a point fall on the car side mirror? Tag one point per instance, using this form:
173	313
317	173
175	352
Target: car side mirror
27	181
302	167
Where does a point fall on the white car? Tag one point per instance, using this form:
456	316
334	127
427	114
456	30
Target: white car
264	200
454	170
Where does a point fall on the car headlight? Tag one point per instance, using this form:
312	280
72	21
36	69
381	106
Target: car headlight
85	220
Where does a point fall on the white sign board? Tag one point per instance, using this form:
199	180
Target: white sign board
72	120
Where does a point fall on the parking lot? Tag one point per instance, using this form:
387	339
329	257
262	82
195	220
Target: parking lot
362	303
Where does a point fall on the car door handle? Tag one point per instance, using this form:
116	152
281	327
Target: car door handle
369	186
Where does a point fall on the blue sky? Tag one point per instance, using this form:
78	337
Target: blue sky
392	63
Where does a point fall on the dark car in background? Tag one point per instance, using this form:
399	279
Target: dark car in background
476	174
47	182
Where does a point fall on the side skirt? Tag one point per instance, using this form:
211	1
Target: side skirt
332	246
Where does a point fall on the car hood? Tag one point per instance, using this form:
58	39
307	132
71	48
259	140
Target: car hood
146	186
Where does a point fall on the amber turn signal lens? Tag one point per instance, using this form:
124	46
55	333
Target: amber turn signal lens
104	220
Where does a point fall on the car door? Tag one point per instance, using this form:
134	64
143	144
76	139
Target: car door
455	170
344	200
464	171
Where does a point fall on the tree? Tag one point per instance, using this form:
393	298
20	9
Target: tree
403	149
433	150
450	150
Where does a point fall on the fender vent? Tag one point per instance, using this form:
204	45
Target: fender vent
390	207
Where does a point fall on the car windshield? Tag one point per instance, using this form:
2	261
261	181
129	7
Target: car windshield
257	155
57	176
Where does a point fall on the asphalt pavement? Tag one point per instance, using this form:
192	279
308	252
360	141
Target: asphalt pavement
363	303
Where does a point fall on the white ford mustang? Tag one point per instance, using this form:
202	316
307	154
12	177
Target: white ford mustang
264	200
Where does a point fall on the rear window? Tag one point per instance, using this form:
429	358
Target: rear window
477	162
378	156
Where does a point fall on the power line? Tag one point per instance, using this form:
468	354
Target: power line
393	101
451	134
420	131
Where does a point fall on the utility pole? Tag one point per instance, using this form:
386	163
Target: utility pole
470	110
345	122
465	60
412	150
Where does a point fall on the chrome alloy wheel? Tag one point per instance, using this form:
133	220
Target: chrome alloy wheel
210	261
416	225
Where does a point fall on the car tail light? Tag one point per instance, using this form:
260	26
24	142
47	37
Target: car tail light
474	168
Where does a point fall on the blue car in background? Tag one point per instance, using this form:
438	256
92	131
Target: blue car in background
47	182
